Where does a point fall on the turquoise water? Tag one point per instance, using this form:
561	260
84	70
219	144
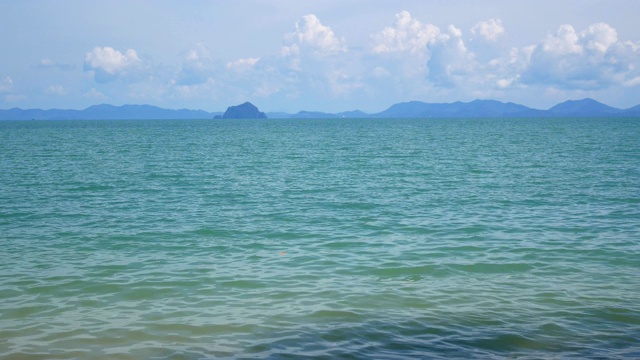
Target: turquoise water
281	239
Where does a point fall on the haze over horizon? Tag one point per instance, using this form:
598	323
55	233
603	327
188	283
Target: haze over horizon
330	56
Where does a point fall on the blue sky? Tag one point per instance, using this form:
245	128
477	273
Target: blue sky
328	55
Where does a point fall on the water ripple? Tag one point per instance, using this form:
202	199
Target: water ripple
390	239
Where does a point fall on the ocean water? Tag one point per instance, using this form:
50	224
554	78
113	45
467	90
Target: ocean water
287	239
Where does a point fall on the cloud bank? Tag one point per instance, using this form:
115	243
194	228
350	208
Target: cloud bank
591	59
409	58
107	64
405	35
489	30
311	35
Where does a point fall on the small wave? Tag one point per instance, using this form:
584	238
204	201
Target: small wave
492	268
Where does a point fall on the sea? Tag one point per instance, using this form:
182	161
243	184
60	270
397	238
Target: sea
320	239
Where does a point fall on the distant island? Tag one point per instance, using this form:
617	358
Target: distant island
243	111
412	109
106	112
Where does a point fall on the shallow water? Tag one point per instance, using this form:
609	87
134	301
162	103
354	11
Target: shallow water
484	238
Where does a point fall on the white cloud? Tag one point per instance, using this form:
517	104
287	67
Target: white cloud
313	62
266	90
406	58
311	34
507	69
429	59
197	53
505	83
199	90
490	30
397	57
454	31
291	50
95	94
567	60
108	63
599	37
406	34
197	67
634	46
6	84
342	83
591	59
242	64
50	64
450	62
632	82
46	63
563	42
56	90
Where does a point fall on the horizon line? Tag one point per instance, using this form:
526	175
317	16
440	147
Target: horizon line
321	111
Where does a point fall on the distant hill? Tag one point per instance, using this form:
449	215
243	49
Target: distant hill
142	112
412	109
476	108
313	115
105	112
278	115
584	107
243	111
634	111
355	114
492	108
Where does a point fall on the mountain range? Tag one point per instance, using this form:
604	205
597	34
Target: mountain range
412	109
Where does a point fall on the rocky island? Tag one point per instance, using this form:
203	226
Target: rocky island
243	111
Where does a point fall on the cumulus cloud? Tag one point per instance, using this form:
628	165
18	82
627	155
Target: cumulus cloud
197	67
311	34
489	30
506	70
398	54
314	61
563	42
406	34
107	63
407	59
6	84
567	60
591	59
450	60
418	58
599	37
201	75
242	64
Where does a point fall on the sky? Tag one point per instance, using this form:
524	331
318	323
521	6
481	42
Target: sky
329	55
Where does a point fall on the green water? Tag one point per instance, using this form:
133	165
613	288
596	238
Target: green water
282	239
